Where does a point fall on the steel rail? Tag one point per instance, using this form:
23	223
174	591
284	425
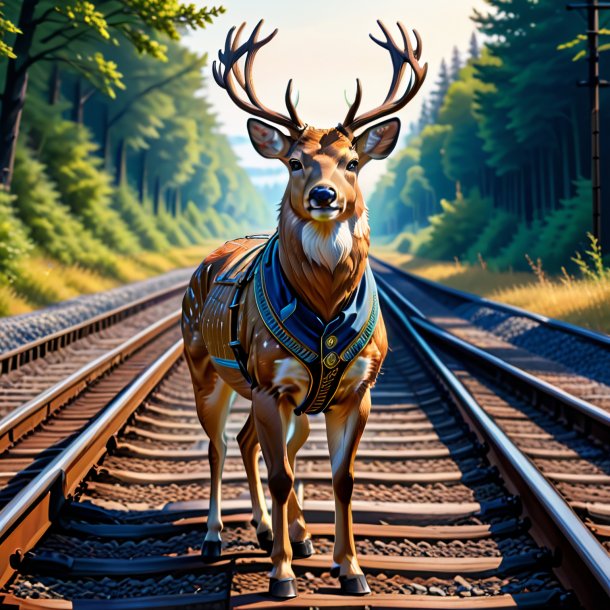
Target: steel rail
590	574
28	515
28	352
598	338
594	420
26	417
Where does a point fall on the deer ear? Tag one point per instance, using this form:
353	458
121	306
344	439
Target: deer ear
267	140
378	141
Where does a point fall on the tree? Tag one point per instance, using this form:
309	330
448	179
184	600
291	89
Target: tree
418	195
456	63
425	115
438	95
473	47
463	158
49	31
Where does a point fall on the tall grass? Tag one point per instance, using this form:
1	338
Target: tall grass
43	281
582	299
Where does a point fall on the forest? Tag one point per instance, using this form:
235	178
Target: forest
108	147
497	168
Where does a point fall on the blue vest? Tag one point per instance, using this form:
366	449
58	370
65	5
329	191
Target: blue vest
325	350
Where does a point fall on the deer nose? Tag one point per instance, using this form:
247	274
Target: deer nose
322	196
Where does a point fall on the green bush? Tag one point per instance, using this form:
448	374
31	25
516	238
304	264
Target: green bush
14	242
403	243
565	229
524	242
218	225
141	222
188	230
194	216
496	235
170	227
457	227
69	155
50	223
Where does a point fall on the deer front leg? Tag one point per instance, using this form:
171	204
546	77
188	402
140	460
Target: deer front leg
300	537
344	427
250	447
213	399
271	416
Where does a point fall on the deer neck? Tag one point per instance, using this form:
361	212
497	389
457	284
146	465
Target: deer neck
323	262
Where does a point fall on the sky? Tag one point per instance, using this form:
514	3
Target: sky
323	45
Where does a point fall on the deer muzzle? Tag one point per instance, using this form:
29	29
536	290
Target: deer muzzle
323	203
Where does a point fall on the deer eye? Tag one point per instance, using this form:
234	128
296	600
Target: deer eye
352	165
295	165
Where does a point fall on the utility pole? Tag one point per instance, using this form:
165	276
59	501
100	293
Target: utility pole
601	228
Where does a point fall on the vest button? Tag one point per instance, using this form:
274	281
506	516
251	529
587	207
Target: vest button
331	341
331	360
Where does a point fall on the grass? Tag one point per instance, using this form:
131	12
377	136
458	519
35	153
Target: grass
43	281
584	301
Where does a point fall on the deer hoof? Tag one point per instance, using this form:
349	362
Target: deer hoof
354	585
335	570
283	588
210	550
302	549
265	541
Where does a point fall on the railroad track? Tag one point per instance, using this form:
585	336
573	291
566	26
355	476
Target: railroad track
450	511
51	388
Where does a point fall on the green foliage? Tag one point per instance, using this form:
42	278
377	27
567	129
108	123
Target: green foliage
593	268
403	243
504	131
524	242
69	155
195	218
496	235
50	223
7	27
433	138
170	227
78	32
216	223
456	229
14	242
140	222
565	228
581	40
417	195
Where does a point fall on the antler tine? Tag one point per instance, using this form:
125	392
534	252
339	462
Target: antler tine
400	57
292	110
236	69
351	113
228	67
420	44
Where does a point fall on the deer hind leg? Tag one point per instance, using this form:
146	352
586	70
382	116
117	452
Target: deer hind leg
213	399
250	447
300	538
272	417
344	426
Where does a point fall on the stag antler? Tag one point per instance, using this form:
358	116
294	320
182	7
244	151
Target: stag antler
229	57
400	58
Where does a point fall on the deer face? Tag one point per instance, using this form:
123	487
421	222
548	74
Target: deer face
323	165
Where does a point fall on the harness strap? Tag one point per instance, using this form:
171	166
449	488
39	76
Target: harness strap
325	350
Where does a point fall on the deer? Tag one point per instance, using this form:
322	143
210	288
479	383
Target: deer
291	321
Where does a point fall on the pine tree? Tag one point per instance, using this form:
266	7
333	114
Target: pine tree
438	95
456	63
473	47
424	115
